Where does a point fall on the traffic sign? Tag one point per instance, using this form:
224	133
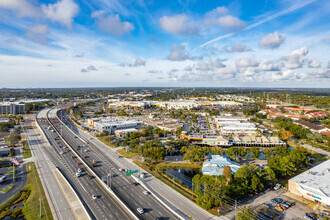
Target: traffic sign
135	171
128	172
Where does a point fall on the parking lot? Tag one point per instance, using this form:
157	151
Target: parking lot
296	212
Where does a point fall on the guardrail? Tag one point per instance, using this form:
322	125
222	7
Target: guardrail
91	170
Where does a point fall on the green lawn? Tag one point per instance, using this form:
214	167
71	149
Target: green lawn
127	154
26	151
106	140
30	195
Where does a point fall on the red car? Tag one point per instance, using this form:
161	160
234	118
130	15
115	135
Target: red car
78	164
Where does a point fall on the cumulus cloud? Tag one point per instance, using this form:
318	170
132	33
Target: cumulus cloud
178	24
22	8
139	62
178	53
96	14
314	64
269	65
211	18
283	75
271	41
246	62
155	71
188	68
38	33
88	69
321	74
113	25
296	59
61	11
226	73
231	23
237	48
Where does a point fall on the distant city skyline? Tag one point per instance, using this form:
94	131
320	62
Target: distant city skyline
149	43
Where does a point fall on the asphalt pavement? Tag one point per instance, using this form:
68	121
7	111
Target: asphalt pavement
167	194
123	186
104	207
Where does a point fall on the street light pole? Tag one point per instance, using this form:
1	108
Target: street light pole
40	208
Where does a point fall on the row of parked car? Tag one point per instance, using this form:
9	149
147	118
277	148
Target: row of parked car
282	205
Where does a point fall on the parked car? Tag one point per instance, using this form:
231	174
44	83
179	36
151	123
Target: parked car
277	200
277	186
278	208
284	205
310	216
268	215
266	205
289	204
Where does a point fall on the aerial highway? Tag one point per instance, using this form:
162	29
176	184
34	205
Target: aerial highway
125	188
180	203
95	198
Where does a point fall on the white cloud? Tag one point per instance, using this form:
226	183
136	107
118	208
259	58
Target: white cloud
314	64
226	73
178	53
231	23
239	48
321	74
113	25
61	11
21	8
285	75
38	33
96	14
178	24
296	58
269	65
271	41
91	68
155	71
83	70
139	62
246	62
211	18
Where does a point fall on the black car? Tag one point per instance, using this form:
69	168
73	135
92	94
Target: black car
135	184
91	177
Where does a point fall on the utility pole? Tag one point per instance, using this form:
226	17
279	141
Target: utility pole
13	172
40	208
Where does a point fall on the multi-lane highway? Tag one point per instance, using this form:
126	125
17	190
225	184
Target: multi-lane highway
132	195
104	206
186	208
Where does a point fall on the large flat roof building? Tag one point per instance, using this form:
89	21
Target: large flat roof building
216	165
313	184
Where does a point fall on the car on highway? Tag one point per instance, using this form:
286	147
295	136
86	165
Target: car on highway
72	157
145	192
78	164
136	184
78	174
80	170
91	177
121	169
94	197
140	210
61	152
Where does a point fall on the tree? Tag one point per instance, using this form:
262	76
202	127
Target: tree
256	184
121	112
285	135
255	152
227	173
13	139
246	213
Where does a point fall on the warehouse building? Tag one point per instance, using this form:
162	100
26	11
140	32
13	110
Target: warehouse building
313	185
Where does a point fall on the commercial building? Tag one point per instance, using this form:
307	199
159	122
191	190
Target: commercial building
232	127
12	108
313	127
313	185
124	132
216	165
318	114
111	126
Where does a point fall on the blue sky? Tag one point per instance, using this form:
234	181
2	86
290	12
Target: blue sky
106	43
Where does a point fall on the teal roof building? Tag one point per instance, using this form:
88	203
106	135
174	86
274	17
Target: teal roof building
216	165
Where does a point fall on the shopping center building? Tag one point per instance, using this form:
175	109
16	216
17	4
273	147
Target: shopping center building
313	185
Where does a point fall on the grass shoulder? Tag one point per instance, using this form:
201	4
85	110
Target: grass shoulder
29	196
128	155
